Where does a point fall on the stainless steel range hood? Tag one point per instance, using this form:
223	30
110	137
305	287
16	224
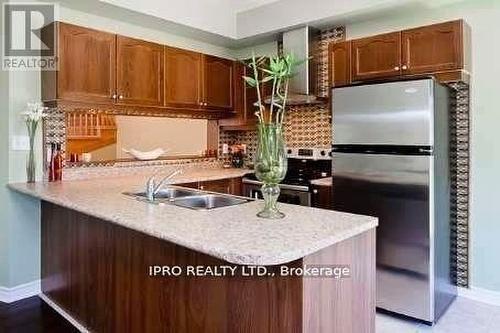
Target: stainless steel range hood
303	43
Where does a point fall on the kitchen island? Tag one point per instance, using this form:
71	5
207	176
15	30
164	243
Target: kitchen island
108	261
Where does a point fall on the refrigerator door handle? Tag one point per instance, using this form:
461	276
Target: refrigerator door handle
426	151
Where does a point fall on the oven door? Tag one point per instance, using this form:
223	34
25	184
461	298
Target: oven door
288	193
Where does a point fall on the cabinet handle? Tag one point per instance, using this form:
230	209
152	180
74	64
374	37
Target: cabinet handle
200	103
120	96
404	67
206	104
202	187
113	96
396	68
315	191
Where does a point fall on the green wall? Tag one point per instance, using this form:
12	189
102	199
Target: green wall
484	18
4	171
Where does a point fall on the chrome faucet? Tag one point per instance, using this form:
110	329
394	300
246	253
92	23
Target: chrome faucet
152	187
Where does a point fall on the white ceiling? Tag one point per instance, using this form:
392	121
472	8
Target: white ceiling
244	21
242	5
215	16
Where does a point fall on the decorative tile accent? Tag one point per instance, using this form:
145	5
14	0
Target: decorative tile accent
54	131
309	126
459	168
132	168
326	37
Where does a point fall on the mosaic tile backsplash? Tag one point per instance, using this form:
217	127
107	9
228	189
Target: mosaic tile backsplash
307	127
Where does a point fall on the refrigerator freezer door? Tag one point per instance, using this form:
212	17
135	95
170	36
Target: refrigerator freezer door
397	190
394	113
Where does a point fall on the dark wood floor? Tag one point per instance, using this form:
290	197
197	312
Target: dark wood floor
32	315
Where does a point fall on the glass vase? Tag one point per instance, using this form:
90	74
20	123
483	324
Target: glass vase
270	167
31	163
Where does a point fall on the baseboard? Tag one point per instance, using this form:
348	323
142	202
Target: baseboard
63	313
22	291
480	295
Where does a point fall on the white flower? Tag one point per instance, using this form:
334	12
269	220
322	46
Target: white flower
35	112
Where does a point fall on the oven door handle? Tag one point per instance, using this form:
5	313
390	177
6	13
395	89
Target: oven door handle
282	186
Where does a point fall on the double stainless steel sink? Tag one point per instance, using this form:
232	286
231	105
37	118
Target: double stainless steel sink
190	198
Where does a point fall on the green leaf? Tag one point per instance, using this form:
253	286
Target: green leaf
266	79
267	71
250	81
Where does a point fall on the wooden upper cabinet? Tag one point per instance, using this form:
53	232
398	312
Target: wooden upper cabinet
433	48
239	119
218	83
183	78
376	57
339	63
139	72
86	66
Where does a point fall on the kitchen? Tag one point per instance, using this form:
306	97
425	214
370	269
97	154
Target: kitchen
169	103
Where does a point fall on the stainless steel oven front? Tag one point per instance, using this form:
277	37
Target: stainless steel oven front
292	194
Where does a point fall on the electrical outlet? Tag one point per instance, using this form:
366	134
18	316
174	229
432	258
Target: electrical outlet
20	142
225	148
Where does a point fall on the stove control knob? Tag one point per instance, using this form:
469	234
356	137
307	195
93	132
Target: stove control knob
289	151
323	153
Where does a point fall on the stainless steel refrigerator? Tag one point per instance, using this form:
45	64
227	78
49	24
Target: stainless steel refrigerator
391	160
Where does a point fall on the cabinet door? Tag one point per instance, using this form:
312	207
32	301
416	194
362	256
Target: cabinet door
339	63
194	185
218	83
376	57
433	48
240	117
183	73
219	186
322	197
86	65
139	72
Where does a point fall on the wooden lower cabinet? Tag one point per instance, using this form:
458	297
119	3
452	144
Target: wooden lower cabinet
225	186
98	272
321	197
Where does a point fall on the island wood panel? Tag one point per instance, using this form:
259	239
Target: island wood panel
97	272
139	72
347	305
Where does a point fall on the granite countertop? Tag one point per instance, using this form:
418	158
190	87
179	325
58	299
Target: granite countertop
322	181
234	234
